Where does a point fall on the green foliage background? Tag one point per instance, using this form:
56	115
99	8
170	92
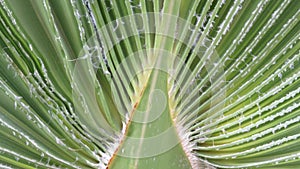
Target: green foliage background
232	98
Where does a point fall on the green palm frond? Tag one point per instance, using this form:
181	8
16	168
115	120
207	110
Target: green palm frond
149	84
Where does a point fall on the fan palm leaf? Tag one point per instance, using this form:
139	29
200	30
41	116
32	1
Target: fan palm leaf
149	84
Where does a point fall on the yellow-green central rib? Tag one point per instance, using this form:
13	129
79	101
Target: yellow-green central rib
151	142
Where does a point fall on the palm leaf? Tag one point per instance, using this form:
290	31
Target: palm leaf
149	84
